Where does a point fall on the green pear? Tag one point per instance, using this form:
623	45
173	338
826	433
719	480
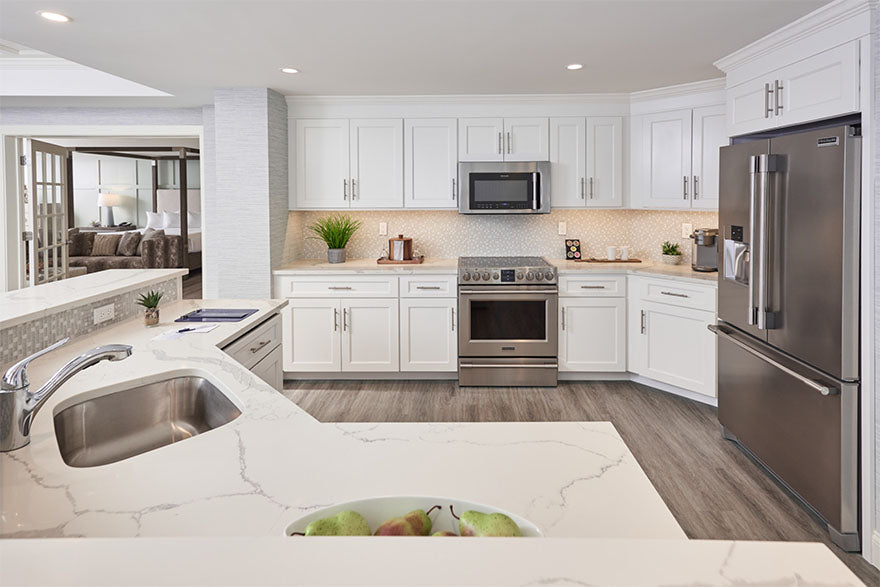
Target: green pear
444	533
345	523
415	523
474	523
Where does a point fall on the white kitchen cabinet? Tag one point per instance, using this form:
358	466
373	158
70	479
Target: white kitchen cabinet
376	161
270	368
430	163
312	335
592	334
666	159
821	86
604	180
568	162
586	155
428	334
480	139
322	154
370	335
526	139
709	135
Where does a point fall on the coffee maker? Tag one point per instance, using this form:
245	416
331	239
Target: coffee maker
704	251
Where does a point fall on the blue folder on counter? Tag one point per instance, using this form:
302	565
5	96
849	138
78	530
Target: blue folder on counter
215	315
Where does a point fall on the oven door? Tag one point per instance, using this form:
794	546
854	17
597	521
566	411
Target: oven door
504	321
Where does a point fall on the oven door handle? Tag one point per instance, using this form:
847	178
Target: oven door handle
507	366
516	291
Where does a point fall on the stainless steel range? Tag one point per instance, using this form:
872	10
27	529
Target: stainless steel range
507	321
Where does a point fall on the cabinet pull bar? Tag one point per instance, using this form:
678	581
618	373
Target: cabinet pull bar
778	98
500	150
563	318
344	189
335	319
696	187
684	180
642	323
768	110
672	293
583	189
591	188
508	143
345	319
260	345
427	287
354	191
592	287
338	287
453	188
453	320
491	366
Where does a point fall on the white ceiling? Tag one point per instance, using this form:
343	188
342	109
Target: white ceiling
394	47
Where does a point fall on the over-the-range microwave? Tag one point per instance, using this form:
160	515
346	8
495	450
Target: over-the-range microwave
489	187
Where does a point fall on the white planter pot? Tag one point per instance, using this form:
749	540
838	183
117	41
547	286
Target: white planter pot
672	259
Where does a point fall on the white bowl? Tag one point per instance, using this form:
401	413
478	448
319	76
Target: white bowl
378	509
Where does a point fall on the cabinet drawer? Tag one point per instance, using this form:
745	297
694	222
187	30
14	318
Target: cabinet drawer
608	286
269	369
355	286
252	347
429	286
677	293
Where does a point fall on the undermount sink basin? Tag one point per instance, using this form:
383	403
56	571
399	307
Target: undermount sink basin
133	421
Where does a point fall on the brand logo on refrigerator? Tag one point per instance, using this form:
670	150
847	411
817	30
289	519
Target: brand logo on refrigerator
828	142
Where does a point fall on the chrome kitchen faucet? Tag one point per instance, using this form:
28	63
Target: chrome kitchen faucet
19	406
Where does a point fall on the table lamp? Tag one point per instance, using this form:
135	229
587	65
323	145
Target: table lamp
109	200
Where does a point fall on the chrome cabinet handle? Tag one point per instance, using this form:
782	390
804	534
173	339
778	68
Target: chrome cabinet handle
563	317
583	189
823	389
591	188
335	319
684	181
672	293
500	149
696	187
345	319
642	323
491	366
508	143
778	98
768	110
592	287
338	287
428	287
344	189
354	191
453	320
260	345
453	188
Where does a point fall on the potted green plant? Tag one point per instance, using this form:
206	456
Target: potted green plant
671	253
335	231
150	302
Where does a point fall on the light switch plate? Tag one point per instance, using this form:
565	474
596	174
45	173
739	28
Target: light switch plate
687	229
562	229
104	313
383	229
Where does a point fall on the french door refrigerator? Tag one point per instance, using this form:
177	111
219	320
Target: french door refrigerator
788	315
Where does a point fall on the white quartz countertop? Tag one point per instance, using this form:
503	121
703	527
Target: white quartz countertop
274	463
418	561
28	303
450	266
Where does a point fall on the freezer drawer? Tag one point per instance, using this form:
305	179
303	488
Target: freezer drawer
775	408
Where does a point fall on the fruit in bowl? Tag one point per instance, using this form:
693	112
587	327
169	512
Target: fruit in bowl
345	523
415	523
474	523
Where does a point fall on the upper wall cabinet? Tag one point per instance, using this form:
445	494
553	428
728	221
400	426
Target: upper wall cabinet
821	86
430	165
503	139
586	156
676	158
349	164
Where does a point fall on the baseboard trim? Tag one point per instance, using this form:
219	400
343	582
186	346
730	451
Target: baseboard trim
675	390
875	549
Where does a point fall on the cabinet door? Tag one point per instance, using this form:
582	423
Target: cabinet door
430	163
311	330
821	86
710	134
370	335
604	182
667	158
428	334
480	139
377	163
526	139
322	164
676	346
567	162
749	107
269	368
592	334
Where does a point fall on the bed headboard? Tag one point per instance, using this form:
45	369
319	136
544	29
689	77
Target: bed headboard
169	201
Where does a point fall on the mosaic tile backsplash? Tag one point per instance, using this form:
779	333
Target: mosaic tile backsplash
448	234
27	338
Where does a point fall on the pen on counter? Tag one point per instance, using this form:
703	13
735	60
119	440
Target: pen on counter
185	330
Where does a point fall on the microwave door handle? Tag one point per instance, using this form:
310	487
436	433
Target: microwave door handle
535	190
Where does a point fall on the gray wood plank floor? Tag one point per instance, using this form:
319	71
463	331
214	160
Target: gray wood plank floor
712	488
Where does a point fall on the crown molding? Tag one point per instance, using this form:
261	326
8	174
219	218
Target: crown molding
709	85
822	18
39	64
598	98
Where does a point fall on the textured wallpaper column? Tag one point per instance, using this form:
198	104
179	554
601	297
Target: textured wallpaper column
245	233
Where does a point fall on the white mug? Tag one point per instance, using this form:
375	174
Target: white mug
624	253
611	253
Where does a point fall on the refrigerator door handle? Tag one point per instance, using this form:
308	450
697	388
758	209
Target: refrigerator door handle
823	389
753	194
763	260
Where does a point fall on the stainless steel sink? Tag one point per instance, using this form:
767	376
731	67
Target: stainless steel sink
120	425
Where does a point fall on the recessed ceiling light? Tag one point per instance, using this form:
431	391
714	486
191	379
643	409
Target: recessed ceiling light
54	16
574	66
289	70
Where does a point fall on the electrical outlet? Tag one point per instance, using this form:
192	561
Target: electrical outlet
104	313
562	229
687	229
383	229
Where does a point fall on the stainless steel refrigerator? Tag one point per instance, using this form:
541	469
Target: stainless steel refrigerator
788	315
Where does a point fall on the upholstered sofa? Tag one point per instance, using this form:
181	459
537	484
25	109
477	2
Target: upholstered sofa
129	250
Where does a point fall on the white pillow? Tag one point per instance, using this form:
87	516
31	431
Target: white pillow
193	220
170	219
154	220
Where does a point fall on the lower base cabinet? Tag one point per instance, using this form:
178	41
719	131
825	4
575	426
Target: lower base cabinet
270	370
428	334
592	334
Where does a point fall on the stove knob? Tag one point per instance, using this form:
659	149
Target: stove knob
466	276
495	276
548	275
476	276
539	276
530	276
519	275
485	276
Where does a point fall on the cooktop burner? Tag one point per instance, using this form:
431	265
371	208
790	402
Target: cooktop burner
505	270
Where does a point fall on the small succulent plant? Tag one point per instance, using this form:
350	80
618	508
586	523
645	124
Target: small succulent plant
671	249
150	299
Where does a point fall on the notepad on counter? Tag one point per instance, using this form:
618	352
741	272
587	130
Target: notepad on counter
176	333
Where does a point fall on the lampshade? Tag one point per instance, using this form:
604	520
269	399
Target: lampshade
108	199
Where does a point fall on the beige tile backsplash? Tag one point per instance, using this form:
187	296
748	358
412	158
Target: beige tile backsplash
448	234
